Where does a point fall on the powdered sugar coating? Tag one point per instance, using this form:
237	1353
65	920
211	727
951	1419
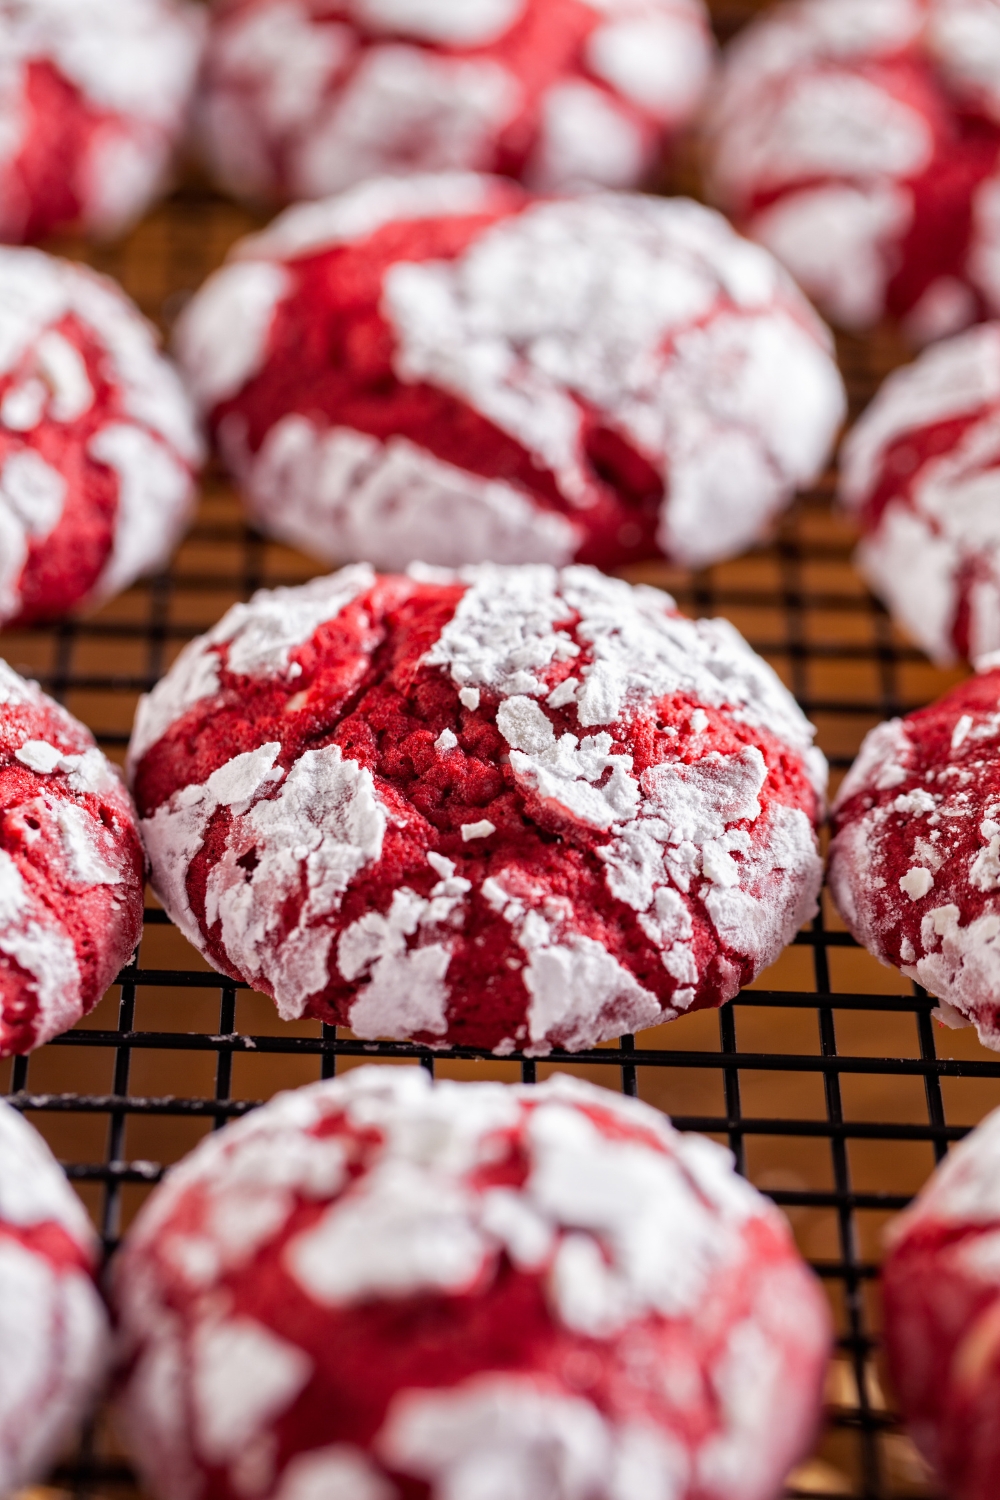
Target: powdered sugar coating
53	1348
860	141
98	440
919	470
512	380
301	98
71	869
572	1249
941	1290
512	806
915	862
93	98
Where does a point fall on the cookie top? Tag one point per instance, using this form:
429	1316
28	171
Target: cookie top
93	98
98	441
71	869
569	1249
859	140
302	100
55	1338
919	472
915	861
510	807
444	368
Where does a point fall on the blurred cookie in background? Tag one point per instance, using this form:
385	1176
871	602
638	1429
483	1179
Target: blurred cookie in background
921	473
860	141
94	98
302	98
99	446
941	1295
447	369
54	1343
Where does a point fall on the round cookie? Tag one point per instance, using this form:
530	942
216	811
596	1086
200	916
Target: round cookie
510	808
93	100
53	1327
379	1287
941	1296
444	368
98	441
914	865
299	101
71	869
860	141
919	471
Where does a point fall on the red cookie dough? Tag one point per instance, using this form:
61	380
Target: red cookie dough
512	808
941	1295
446	369
93	99
379	1287
915	861
307	98
860	141
71	869
53	1327
98	441
920	472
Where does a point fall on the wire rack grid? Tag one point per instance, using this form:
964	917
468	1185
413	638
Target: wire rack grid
827	1078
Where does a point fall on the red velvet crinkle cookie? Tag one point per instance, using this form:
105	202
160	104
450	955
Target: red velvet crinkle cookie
860	141
380	1287
93	99
305	99
444	368
71	869
915	861
53	1327
920	472
98	441
510	808
941	1295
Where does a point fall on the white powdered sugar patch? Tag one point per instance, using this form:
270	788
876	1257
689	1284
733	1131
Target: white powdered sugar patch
53	1328
505	632
964	38
606	302
39	945
134	64
619	1216
939	524
151	444
33	1188
298	103
221	338
340	493
323	825
261	637
580	994
966	1187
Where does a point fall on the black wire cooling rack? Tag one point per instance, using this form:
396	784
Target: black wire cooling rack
828	1079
